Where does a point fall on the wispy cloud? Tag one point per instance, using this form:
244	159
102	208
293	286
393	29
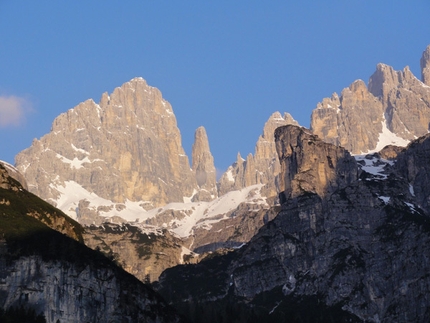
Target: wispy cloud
13	110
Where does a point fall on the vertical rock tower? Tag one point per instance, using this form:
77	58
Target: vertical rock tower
203	167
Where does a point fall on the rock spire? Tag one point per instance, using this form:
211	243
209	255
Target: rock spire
203	166
425	66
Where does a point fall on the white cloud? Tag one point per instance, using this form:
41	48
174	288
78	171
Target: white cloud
13	110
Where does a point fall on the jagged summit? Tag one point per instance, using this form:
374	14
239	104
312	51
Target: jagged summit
260	168
392	109
125	148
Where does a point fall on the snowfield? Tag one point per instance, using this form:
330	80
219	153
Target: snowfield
193	214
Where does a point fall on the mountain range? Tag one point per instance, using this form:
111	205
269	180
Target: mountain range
301	222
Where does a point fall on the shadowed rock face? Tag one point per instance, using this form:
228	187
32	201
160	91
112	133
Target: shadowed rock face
356	240
413	164
51	273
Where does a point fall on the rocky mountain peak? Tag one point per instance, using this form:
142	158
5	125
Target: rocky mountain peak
310	165
425	66
203	166
392	110
125	148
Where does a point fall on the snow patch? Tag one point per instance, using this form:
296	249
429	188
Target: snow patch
385	199
373	165
411	190
80	150
386	137
229	174
195	214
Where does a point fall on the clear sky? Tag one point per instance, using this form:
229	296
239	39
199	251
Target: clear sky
225	65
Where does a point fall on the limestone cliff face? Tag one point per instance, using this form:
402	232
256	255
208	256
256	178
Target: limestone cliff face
126	147
66	293
352	246
393	109
261	168
203	166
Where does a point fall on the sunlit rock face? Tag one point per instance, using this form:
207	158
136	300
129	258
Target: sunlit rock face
310	165
393	108
126	147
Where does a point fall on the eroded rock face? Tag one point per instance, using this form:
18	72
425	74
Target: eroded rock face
393	109
126	147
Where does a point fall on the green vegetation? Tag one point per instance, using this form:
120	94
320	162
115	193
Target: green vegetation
23	203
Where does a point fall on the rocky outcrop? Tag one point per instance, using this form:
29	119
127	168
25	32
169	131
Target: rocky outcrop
352	246
393	109
310	165
203	166
15	174
126	147
262	167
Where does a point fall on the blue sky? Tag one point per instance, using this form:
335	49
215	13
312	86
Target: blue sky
225	65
